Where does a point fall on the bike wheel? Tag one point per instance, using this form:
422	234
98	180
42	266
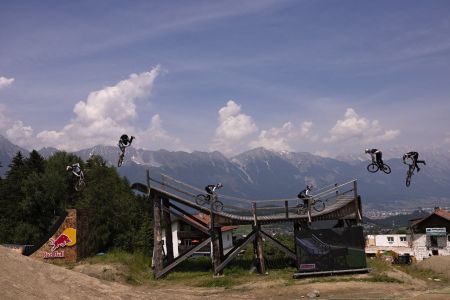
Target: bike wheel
372	168
217	206
200	199
319	205
386	169
80	185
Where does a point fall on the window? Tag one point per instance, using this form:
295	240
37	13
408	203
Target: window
390	239
187	242
403	239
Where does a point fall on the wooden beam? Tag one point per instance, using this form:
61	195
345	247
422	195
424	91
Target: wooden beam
260	250
357	211
188	214
182	258
279	245
167	228
235	251
286	209
191	222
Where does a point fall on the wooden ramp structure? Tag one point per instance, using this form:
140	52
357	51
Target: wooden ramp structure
172	197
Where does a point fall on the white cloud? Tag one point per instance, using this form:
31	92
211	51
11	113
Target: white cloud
106	114
15	131
279	139
157	135
355	127
5	82
233	130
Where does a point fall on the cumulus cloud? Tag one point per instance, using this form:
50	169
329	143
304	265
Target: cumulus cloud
355	127
15	131
157	135
233	130
281	138
5	82
106	114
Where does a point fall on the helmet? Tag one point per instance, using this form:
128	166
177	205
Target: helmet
367	151
219	185
68	168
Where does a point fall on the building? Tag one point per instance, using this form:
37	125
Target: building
426	237
184	236
399	243
430	235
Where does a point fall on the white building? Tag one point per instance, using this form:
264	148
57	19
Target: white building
184	236
428	236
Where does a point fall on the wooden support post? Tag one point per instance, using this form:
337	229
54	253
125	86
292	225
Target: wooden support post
168	229
286	209
260	250
337	191
296	230
258	242
216	255
309	210
278	245
157	234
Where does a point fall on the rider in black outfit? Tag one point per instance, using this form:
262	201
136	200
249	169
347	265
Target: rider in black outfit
304	195
125	142
211	188
377	154
414	156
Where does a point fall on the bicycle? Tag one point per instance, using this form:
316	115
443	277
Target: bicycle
316	204
409	174
121	156
375	166
202	199
80	184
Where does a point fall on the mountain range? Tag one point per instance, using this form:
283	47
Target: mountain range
264	174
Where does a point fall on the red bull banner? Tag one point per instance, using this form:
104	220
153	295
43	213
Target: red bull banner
67	238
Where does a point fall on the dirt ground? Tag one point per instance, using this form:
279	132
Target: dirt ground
440	264
25	278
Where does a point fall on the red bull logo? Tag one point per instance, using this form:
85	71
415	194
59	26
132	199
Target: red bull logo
60	242
66	238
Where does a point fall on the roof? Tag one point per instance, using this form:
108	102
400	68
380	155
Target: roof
205	219
439	212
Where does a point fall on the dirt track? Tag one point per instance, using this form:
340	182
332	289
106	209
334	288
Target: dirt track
25	278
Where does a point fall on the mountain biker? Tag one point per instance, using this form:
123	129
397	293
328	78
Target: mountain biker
414	156
304	195
376	156
211	188
125	142
76	169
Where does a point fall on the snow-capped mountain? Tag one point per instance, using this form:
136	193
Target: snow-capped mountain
263	174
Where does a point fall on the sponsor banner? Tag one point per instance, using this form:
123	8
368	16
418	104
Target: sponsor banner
67	238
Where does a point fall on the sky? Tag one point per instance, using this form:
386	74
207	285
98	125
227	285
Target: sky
327	77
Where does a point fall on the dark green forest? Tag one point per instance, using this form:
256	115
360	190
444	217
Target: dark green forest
35	190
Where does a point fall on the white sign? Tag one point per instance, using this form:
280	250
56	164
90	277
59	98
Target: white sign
436	231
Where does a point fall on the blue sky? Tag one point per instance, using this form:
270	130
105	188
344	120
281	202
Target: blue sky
328	77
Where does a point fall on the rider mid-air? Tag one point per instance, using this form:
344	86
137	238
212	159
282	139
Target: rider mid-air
414	157
377	156
124	142
76	170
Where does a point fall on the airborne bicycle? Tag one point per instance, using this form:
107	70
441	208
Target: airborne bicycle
375	166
